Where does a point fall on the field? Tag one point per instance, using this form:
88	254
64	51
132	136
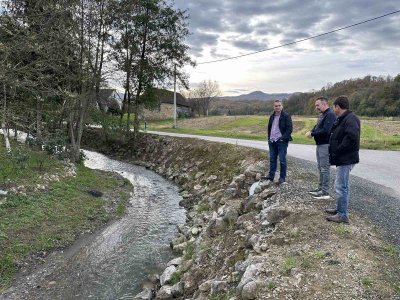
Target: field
375	133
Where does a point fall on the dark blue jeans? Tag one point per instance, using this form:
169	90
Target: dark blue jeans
276	149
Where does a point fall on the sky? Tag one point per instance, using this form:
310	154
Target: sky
226	28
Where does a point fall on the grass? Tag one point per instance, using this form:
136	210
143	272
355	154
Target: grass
175	278
391	250
342	230
203	206
44	220
367	282
189	251
288	264
254	128
238	256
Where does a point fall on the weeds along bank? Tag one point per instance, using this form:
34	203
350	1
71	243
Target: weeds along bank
274	245
47	206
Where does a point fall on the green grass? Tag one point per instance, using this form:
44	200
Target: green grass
342	230
189	251
175	278
391	250
49	219
254	128
288	264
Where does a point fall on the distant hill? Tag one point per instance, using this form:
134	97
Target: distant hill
257	95
372	96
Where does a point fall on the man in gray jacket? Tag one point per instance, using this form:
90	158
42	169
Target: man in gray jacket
321	133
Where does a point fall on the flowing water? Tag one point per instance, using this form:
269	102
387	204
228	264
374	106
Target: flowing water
113	263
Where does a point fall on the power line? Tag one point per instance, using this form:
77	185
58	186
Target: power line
301	40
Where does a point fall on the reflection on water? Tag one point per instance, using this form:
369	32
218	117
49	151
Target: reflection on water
113	263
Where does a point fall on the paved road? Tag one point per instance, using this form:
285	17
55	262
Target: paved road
378	166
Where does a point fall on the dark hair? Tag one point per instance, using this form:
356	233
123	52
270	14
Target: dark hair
322	98
342	102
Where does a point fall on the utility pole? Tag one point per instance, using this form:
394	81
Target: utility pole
174	96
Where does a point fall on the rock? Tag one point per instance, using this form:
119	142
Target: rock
218	287
175	262
275	215
249	290
198	175
3	193
146	294
167	274
267	193
179	248
205	287
189	283
177	290
230	215
186	265
232	191
197	187
211	178
186	194
165	292
195	231
238	180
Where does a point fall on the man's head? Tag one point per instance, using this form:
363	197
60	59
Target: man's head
278	106
321	104
340	105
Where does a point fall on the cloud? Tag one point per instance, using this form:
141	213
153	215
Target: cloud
259	22
249	44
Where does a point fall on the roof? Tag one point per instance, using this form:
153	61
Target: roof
166	96
105	96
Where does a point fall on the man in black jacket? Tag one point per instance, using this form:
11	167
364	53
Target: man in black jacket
344	145
321	133
279	134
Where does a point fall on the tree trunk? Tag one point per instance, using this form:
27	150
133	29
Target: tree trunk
39	107
3	121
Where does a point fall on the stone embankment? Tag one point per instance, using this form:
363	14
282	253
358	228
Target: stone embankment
275	244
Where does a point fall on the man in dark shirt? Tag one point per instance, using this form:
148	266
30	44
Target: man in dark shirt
344	146
321	133
279	134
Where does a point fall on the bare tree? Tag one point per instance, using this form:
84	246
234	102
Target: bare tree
206	92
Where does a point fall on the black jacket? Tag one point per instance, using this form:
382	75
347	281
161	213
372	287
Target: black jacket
322	130
344	143
285	126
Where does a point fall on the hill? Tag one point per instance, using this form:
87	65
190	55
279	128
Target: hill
257	95
370	96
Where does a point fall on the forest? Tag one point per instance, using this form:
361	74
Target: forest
371	96
56	56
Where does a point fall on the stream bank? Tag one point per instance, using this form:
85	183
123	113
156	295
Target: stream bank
113	262
274	245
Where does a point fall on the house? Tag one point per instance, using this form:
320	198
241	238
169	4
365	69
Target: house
109	99
165	109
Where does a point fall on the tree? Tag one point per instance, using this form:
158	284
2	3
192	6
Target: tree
206	92
150	51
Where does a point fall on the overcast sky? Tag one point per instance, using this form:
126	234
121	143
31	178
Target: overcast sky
226	28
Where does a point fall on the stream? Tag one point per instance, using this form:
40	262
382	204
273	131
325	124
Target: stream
114	262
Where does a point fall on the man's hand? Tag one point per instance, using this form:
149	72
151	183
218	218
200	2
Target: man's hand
308	134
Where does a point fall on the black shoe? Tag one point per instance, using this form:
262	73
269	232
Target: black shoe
338	219
331	211
281	181
321	195
267	178
313	192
